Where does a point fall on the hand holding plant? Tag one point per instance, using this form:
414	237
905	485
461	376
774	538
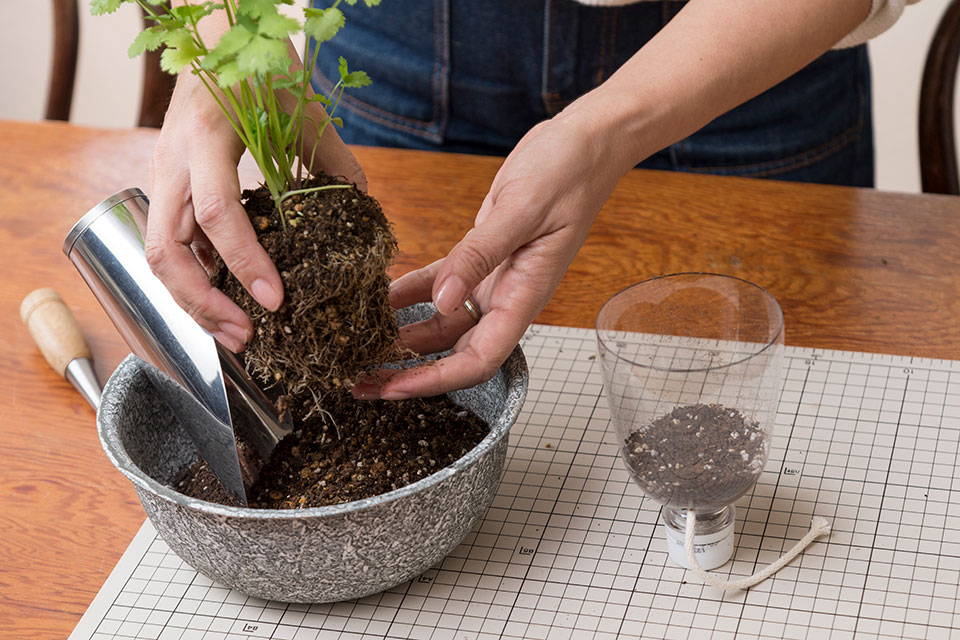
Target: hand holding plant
318	237
195	192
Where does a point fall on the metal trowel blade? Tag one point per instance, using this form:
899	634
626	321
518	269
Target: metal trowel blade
213	437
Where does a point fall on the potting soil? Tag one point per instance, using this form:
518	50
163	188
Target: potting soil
358	449
701	456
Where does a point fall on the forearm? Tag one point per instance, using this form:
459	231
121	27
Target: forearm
713	56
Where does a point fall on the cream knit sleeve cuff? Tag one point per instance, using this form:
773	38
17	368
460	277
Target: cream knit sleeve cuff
883	13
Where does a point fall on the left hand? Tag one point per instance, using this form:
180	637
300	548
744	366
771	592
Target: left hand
530	226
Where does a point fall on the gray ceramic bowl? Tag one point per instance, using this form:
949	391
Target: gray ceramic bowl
308	555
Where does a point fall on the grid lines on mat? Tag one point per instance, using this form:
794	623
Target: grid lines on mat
570	548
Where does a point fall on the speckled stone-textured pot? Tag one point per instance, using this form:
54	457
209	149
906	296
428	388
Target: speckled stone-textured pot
308	555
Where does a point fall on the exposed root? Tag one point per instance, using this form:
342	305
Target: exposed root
336	320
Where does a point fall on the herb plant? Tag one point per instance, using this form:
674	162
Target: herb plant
247	70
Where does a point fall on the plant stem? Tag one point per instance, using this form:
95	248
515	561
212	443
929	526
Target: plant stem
287	194
307	75
230	10
252	106
233	122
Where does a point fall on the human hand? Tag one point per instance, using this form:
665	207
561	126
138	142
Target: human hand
195	205
530	226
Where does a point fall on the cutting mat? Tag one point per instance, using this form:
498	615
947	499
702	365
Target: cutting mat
572	549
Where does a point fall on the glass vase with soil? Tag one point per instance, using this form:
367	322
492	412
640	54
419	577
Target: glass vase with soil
692	369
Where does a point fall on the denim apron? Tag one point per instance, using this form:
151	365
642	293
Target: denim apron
472	77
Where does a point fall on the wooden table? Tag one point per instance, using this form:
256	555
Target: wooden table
853	269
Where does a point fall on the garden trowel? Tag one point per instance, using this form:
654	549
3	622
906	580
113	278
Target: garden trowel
202	383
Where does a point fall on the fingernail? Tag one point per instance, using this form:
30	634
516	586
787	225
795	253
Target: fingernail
395	395
228	341
365	391
266	294
451	295
238	332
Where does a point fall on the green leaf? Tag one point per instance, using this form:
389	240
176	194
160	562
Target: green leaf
248	23
263	55
354	79
294	87
192	12
174	60
280	84
257	8
321	25
180	52
319	97
148	40
337	121
294	83
100	7
229	74
229	45
275	25
371	3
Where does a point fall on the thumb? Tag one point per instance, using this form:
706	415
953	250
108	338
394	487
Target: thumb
475	257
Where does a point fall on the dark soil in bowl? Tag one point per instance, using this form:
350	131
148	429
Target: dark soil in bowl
359	450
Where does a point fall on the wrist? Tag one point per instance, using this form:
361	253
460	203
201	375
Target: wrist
616	125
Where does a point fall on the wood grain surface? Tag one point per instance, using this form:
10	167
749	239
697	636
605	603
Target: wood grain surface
853	269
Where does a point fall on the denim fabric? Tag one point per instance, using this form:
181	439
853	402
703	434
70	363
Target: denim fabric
473	77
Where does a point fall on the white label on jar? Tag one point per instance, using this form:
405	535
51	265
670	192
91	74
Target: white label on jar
712	550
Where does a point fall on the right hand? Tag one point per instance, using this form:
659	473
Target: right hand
195	204
528	229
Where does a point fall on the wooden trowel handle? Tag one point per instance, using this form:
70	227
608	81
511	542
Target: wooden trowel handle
54	328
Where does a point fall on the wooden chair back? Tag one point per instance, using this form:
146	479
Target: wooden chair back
938	147
66	42
157	84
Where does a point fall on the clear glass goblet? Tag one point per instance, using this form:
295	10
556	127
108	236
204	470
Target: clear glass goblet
692	367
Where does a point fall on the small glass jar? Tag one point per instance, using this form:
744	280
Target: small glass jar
692	366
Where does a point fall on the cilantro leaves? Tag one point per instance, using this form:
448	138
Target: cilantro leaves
250	72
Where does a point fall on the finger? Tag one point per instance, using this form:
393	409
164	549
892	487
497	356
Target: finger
170	229
368	386
331	155
203	250
476	359
414	286
215	193
436	333
477	255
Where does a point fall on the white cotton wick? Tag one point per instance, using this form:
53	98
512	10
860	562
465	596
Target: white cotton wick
818	527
